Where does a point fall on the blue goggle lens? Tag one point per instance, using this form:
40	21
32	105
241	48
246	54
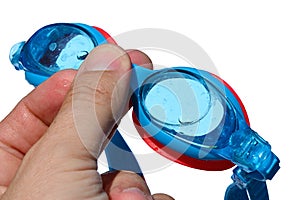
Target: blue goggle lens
188	107
53	48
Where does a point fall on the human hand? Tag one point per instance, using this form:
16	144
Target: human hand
50	142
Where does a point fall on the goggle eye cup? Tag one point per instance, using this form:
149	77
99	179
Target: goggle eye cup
55	47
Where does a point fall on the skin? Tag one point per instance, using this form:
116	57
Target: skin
48	151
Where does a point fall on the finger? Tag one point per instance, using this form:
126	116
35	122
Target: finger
161	196
140	58
29	120
33	114
125	185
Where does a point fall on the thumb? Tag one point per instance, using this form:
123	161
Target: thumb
62	164
98	98
95	103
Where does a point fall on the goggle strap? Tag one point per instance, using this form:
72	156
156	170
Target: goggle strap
120	157
255	190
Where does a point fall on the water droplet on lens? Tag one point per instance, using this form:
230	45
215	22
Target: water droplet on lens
82	55
52	46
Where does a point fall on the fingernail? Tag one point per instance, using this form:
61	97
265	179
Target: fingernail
131	193
105	57
136	192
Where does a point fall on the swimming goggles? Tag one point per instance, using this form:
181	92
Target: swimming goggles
190	116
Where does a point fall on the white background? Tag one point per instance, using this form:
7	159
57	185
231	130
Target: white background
254	45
